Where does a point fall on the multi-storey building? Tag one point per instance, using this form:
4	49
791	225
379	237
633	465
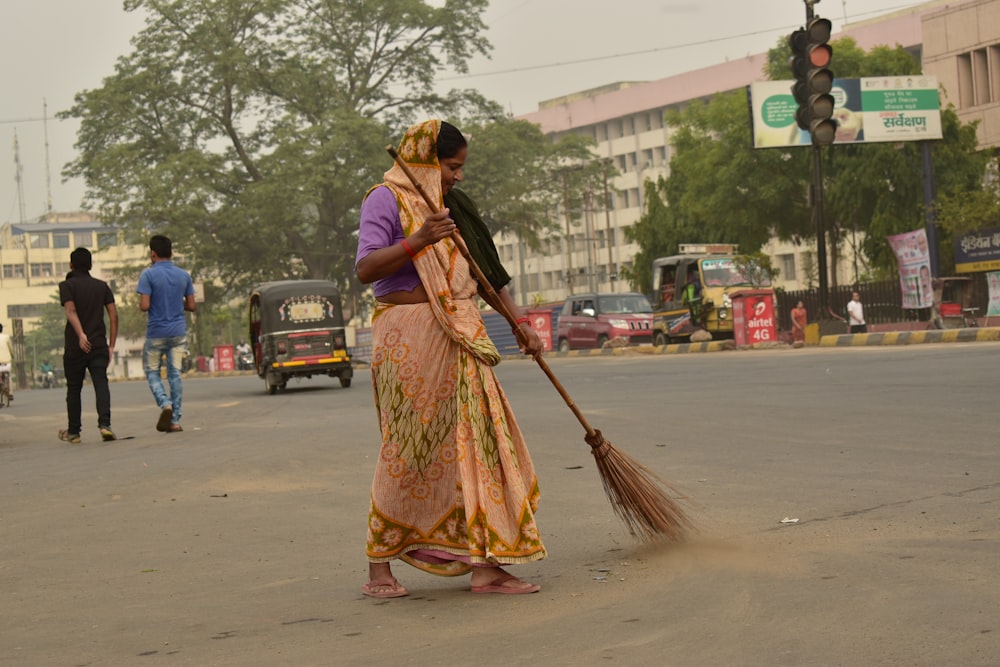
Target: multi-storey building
959	42
34	259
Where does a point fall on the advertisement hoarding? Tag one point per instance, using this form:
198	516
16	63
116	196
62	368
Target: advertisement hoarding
867	110
978	251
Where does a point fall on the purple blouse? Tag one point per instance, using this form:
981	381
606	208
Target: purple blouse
381	228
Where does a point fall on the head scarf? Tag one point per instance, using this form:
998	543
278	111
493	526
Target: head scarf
443	271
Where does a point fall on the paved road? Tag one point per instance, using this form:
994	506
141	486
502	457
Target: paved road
239	541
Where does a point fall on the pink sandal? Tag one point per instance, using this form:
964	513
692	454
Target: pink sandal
497	586
385	589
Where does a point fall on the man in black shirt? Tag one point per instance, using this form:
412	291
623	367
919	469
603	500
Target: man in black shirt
88	347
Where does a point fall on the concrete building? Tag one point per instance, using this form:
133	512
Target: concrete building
34	259
626	121
961	47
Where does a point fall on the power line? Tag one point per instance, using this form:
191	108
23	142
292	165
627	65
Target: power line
660	49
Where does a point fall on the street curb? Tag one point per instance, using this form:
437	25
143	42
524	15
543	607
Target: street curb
912	337
678	348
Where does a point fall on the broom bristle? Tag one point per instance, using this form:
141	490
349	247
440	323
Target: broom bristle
648	506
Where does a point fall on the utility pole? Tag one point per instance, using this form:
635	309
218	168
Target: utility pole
48	168
930	219
607	228
569	238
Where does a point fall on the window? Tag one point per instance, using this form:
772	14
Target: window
13	270
787	266
41	270
84	239
107	239
62	268
60	240
38	240
978	76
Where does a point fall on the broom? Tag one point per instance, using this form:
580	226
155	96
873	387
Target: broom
642	500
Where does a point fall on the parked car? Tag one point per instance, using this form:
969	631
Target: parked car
591	320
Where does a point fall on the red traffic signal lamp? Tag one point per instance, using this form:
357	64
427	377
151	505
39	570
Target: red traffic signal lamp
811	55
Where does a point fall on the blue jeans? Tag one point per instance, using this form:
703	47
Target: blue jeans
173	349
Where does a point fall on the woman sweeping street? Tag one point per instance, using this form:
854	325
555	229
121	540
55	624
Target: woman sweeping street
455	488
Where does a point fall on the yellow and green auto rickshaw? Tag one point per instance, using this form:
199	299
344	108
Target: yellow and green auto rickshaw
695	291
297	330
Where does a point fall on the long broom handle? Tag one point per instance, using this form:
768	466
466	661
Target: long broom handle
491	296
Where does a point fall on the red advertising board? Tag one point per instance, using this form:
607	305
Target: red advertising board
541	322
753	317
224	359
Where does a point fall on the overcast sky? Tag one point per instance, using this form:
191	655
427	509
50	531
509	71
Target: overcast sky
51	49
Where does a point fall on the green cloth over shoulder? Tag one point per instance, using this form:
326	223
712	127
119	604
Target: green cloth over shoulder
477	236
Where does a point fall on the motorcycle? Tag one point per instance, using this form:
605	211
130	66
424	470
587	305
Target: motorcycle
244	361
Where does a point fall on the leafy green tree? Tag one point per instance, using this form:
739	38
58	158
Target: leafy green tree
47	338
720	189
515	173
877	188
250	131
757	268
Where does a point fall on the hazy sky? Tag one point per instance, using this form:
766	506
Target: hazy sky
51	49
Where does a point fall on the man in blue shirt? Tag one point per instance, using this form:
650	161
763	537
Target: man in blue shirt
165	293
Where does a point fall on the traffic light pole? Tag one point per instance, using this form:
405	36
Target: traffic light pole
817	207
820	222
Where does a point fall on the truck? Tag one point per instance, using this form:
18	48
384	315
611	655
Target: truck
719	278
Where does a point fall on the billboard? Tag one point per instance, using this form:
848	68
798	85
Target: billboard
977	251
867	110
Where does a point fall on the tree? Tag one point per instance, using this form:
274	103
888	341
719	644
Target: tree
720	189
515	173
756	267
47	337
878	188
250	131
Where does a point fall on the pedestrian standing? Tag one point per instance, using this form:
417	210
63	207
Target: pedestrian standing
6	358
856	314
165	293
799	320
88	346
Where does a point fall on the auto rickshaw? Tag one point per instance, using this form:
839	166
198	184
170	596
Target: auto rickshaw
952	298
297	330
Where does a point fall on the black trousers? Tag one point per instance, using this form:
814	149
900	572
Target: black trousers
76	368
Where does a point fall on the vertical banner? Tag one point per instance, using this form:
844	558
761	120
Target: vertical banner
993	281
913	258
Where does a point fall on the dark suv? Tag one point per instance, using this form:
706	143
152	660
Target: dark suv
590	320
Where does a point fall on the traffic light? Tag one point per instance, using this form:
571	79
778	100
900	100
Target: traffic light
811	56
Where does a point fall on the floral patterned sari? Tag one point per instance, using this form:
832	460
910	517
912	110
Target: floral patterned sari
454	484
